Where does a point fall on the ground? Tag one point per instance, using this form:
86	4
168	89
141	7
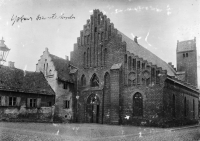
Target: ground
14	131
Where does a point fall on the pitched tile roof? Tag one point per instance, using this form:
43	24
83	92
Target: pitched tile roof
62	67
141	52
186	46
13	79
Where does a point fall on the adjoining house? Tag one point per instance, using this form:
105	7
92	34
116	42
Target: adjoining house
57	72
24	95
119	81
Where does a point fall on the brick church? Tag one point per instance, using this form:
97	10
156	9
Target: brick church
111	79
119	81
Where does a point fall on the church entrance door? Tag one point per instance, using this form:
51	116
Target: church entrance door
93	109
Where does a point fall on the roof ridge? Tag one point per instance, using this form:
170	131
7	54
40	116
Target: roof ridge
56	56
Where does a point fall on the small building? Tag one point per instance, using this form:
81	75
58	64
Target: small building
57	72
24	95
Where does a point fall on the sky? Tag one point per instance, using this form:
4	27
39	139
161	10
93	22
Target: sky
157	23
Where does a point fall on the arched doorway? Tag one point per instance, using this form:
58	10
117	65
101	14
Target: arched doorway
93	109
137	104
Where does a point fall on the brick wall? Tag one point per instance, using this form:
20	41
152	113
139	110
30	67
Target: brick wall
180	94
152	103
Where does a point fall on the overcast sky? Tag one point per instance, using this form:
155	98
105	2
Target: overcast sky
157	23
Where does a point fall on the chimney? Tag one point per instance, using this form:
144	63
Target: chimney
11	64
135	39
46	50
170	63
66	57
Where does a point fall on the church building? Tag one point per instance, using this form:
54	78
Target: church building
117	81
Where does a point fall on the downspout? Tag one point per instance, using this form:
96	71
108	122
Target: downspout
103	106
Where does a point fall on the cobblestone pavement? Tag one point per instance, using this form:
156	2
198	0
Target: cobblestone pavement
10	131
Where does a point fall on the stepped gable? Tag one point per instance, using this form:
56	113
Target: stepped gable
141	52
13	79
62	67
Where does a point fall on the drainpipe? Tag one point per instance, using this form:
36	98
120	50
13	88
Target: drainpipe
103	106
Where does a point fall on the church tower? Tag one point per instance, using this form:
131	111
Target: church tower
186	55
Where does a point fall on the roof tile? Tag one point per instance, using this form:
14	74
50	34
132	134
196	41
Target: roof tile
13	79
141	52
61	66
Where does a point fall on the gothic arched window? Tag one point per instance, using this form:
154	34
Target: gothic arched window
94	82
125	58
137	104
129	62
88	53
107	80
84	59
101	36
101	55
134	63
83	80
105	56
185	107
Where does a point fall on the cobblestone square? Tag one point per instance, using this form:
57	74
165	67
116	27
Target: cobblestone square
13	131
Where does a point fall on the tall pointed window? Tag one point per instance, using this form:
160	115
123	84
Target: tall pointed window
84	59
107	80
94	82
137	104
88	55
138	64
185	107
105	57
129	62
101	55
125	58
101	36
88	39
83	80
47	69
134	63
157	76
